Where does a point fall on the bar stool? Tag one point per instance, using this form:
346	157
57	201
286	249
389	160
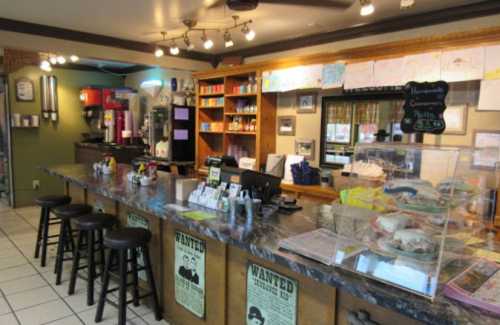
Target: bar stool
66	243
90	233
47	203
120	243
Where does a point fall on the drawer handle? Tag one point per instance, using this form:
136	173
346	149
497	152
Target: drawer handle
361	317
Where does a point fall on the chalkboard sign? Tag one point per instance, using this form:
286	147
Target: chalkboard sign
424	107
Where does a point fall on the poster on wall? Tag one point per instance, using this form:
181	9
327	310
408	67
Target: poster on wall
488	95
492	62
333	75
190	273
389	72
422	67
302	77
462	65
271	297
359	75
134	220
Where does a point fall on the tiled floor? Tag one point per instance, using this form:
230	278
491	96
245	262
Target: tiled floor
28	294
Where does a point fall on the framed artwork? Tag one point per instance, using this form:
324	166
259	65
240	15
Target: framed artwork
286	125
486	145
456	120
25	90
305	148
306	103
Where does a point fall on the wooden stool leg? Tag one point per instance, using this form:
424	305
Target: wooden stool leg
45	236
39	233
76	263
100	239
122	298
90	267
151	282
105	285
135	278
60	252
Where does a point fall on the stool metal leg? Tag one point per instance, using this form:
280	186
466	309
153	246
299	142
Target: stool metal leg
45	236
91	267
122	297
105	285
76	263
135	278
151	282
39	233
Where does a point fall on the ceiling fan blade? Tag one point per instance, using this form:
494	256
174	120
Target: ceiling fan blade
332	4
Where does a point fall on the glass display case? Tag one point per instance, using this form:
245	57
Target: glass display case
410	210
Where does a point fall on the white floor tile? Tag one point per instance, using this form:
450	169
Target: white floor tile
71	320
16	272
12	261
31	298
8	319
150	319
79	302
4	307
22	284
110	317
45	313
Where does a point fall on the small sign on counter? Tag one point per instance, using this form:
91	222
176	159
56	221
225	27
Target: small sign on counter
271	297
190	273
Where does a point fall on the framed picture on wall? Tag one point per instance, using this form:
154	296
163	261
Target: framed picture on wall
25	90
456	120
486	145
306	103
305	148
286	125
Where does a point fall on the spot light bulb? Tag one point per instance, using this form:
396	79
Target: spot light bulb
367	8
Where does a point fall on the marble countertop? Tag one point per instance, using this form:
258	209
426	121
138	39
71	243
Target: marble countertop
262	239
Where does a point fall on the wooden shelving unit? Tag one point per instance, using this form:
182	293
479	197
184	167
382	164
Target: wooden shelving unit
257	144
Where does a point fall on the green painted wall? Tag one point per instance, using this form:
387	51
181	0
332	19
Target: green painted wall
53	142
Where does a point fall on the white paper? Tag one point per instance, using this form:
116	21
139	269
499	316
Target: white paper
488	95
389	72
462	65
359	75
422	67
492	62
290	160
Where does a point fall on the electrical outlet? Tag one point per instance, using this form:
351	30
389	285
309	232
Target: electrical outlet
36	184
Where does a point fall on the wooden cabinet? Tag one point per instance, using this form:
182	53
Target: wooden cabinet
234	118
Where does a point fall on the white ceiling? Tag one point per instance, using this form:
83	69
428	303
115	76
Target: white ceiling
142	20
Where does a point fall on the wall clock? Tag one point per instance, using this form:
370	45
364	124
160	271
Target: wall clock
25	90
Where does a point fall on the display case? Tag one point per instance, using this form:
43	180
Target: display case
409	211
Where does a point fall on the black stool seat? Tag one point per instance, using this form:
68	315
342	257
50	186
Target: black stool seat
127	238
72	210
95	221
52	201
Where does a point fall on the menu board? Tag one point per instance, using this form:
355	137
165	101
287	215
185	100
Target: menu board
422	67
302	77
136	221
424	107
271	297
333	75
190	273
462	65
359	75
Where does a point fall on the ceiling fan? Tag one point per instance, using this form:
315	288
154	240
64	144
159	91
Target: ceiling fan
246	5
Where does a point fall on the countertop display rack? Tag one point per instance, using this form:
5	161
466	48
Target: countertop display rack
234	117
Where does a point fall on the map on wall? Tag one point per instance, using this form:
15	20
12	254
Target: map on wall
389	72
422	67
359	75
462	65
492	62
333	75
302	77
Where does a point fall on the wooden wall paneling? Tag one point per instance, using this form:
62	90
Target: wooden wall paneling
102	204
347	303
267	124
316	302
215	281
77	193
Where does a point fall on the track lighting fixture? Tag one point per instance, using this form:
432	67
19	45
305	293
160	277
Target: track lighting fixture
405	4
174	49
367	7
188	43
61	59
53	59
74	58
207	42
249	33
45	66
228	41
159	52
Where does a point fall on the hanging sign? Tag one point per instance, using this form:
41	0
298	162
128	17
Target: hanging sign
190	273
136	221
271	297
424	107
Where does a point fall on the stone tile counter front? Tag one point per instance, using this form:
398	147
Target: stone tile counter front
324	295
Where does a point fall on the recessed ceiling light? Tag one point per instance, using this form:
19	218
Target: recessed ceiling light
367	7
